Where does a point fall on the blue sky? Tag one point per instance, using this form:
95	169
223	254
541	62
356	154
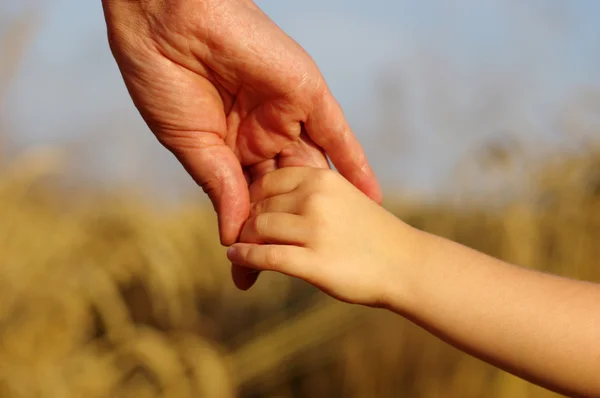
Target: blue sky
466	71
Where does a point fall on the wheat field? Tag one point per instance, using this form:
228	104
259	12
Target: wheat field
108	296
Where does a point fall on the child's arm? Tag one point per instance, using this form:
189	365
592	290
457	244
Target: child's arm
541	327
319	228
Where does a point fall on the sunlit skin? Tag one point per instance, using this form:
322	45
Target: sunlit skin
312	224
232	97
237	101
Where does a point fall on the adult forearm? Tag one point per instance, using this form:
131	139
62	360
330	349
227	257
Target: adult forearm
540	327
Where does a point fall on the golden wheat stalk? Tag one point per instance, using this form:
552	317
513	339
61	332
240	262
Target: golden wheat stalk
263	356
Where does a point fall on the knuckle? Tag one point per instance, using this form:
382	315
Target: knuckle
315	201
264	182
273	258
261	223
323	178
267	180
257	208
260	185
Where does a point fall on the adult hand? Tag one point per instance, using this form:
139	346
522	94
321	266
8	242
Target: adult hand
227	91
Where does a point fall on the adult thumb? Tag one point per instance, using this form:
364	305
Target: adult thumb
218	171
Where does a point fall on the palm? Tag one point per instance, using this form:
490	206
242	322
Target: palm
266	131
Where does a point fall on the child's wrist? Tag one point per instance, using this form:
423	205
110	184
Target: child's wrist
405	270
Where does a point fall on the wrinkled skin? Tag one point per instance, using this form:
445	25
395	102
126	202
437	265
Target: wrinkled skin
232	97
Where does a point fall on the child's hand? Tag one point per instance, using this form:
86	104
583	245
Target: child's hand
314	225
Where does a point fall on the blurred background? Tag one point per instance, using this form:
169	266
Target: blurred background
481	119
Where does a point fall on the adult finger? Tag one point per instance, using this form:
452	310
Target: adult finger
215	167
328	127
243	277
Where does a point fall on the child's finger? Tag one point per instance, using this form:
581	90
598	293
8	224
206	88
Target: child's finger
286	203
278	182
289	260
282	228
